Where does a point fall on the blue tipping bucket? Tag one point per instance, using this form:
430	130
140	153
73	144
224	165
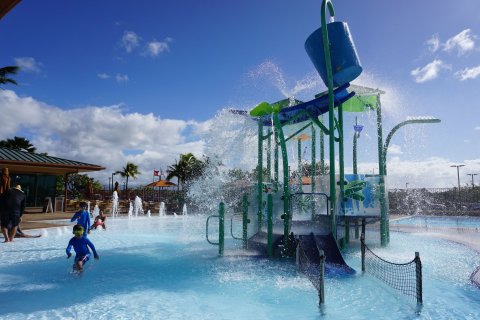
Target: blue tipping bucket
345	63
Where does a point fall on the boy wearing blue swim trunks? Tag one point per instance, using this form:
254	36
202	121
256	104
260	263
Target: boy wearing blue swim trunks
80	244
83	218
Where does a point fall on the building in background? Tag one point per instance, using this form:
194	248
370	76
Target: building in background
37	174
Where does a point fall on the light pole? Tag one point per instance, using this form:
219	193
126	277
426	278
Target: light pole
472	175
113	173
458	166
406	185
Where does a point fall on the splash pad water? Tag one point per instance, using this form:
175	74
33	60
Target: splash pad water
271	289
162	268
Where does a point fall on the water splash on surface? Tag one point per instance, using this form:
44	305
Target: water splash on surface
115	204
137	206
162	211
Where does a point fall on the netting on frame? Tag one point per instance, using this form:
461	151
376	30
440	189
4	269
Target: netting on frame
309	268
475	277
404	277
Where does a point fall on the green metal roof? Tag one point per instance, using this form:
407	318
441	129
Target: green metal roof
17	158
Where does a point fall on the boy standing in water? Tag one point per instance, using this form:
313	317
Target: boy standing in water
80	244
83	218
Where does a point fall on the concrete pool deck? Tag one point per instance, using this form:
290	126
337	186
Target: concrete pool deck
466	236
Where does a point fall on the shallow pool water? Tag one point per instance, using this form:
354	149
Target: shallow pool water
163	268
435	221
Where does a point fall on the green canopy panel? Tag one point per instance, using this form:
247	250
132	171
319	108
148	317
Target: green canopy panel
365	99
361	103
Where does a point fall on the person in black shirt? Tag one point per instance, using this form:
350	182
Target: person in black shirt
12	206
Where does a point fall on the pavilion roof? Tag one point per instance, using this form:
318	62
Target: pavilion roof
25	162
6	6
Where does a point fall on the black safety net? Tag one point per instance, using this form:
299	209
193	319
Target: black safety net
310	268
404	277
475	277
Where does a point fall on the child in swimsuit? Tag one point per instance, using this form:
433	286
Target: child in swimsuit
80	244
99	221
82	217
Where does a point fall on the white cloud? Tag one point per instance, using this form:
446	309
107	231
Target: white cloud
433	43
130	40
99	135
434	172
468	73
107	135
154	48
103	75
429	72
121	78
477	128
462	42
28	64
395	149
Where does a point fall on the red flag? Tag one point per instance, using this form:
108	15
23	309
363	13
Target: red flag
155	173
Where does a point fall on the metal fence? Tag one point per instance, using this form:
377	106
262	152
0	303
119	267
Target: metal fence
465	201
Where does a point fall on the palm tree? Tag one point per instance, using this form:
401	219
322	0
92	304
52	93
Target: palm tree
176	170
5	72
187	168
130	170
18	143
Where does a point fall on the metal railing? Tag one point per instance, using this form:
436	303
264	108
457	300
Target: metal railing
221	229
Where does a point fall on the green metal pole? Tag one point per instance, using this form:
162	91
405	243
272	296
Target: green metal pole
299	153
384	159
322	150
381	172
269	157
328	64
221	229
356	135
314	155
394	129
355	171
286	189
245	221
275	162
260	174
270	225
341	155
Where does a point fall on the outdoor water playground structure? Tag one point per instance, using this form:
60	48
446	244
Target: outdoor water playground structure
314	226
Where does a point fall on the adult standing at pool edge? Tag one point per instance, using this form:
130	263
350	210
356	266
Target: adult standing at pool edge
12	206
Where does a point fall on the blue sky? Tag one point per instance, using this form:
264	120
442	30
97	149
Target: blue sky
114	81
